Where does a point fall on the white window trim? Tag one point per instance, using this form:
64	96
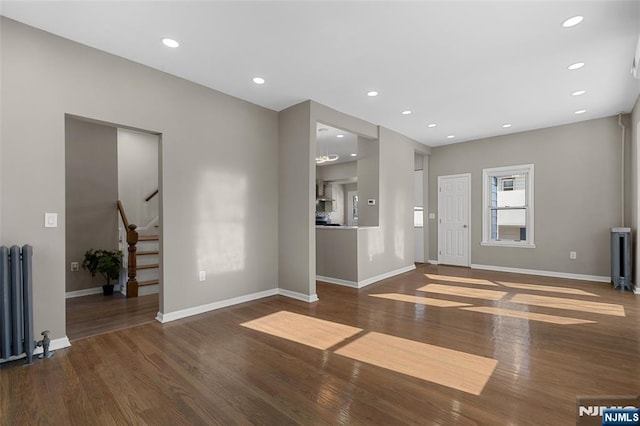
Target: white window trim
486	202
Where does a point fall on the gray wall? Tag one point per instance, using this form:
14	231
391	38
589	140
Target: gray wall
214	147
91	182
296	200
634	200
390	246
577	193
138	176
369	178
341	171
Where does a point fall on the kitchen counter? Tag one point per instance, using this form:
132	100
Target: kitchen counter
341	227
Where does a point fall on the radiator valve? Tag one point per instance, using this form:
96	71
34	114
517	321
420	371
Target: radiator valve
45	342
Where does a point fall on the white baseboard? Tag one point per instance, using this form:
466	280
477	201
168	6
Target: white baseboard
433	262
299	296
88	291
146	290
183	313
337	281
368	281
636	290
596	278
55	344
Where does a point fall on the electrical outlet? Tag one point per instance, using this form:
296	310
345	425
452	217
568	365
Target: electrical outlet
203	275
75	266
572	255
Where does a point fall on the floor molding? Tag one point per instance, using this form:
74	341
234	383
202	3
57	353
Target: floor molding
596	278
298	296
184	313
88	291
433	262
54	345
368	281
636	290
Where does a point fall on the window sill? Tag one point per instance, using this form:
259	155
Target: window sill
505	244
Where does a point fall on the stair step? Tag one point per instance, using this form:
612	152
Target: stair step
150	282
148	238
152	266
147	253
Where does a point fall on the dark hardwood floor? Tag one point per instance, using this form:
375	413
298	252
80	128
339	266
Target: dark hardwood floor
97	314
438	345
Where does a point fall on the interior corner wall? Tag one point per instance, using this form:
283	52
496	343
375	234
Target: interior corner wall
91	181
634	185
219	168
577	193
390	245
138	176
369	180
296	200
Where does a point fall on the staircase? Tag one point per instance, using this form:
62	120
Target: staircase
141	258
148	264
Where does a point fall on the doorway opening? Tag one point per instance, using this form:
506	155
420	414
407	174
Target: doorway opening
112	176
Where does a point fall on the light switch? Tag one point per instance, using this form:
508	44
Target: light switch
51	220
432	215
202	275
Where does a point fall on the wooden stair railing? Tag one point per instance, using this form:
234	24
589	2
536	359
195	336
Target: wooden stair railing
132	240
153	194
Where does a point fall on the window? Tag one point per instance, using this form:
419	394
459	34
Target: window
507	214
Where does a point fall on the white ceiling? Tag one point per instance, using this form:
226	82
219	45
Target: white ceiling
469	67
328	142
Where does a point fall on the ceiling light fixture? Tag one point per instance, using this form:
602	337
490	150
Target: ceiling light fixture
353	155
506	126
576	66
581	111
432	125
258	80
451	136
572	22
169	42
406	112
339	136
579	93
326	158
372	93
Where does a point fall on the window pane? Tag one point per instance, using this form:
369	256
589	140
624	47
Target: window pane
510	191
509	225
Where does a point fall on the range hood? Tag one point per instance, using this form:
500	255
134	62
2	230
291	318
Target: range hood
321	193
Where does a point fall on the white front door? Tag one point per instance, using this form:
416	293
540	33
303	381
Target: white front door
454	210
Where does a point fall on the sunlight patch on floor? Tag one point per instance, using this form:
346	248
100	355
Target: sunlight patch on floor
475	293
460	279
454	369
314	332
421	300
570	304
531	316
550	289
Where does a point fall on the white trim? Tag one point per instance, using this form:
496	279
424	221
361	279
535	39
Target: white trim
636	290
184	313
506	244
460	175
596	278
433	262
299	296
368	281
88	292
338	281
54	345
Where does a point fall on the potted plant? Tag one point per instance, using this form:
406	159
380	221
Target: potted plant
106	263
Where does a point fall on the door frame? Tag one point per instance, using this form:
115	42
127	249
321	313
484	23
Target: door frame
440	178
350	221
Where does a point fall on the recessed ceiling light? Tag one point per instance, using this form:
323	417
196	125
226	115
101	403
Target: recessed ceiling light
339	136
406	112
579	93
169	42
258	80
572	22
451	136
353	155
506	126
581	111
576	66
372	93
432	125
